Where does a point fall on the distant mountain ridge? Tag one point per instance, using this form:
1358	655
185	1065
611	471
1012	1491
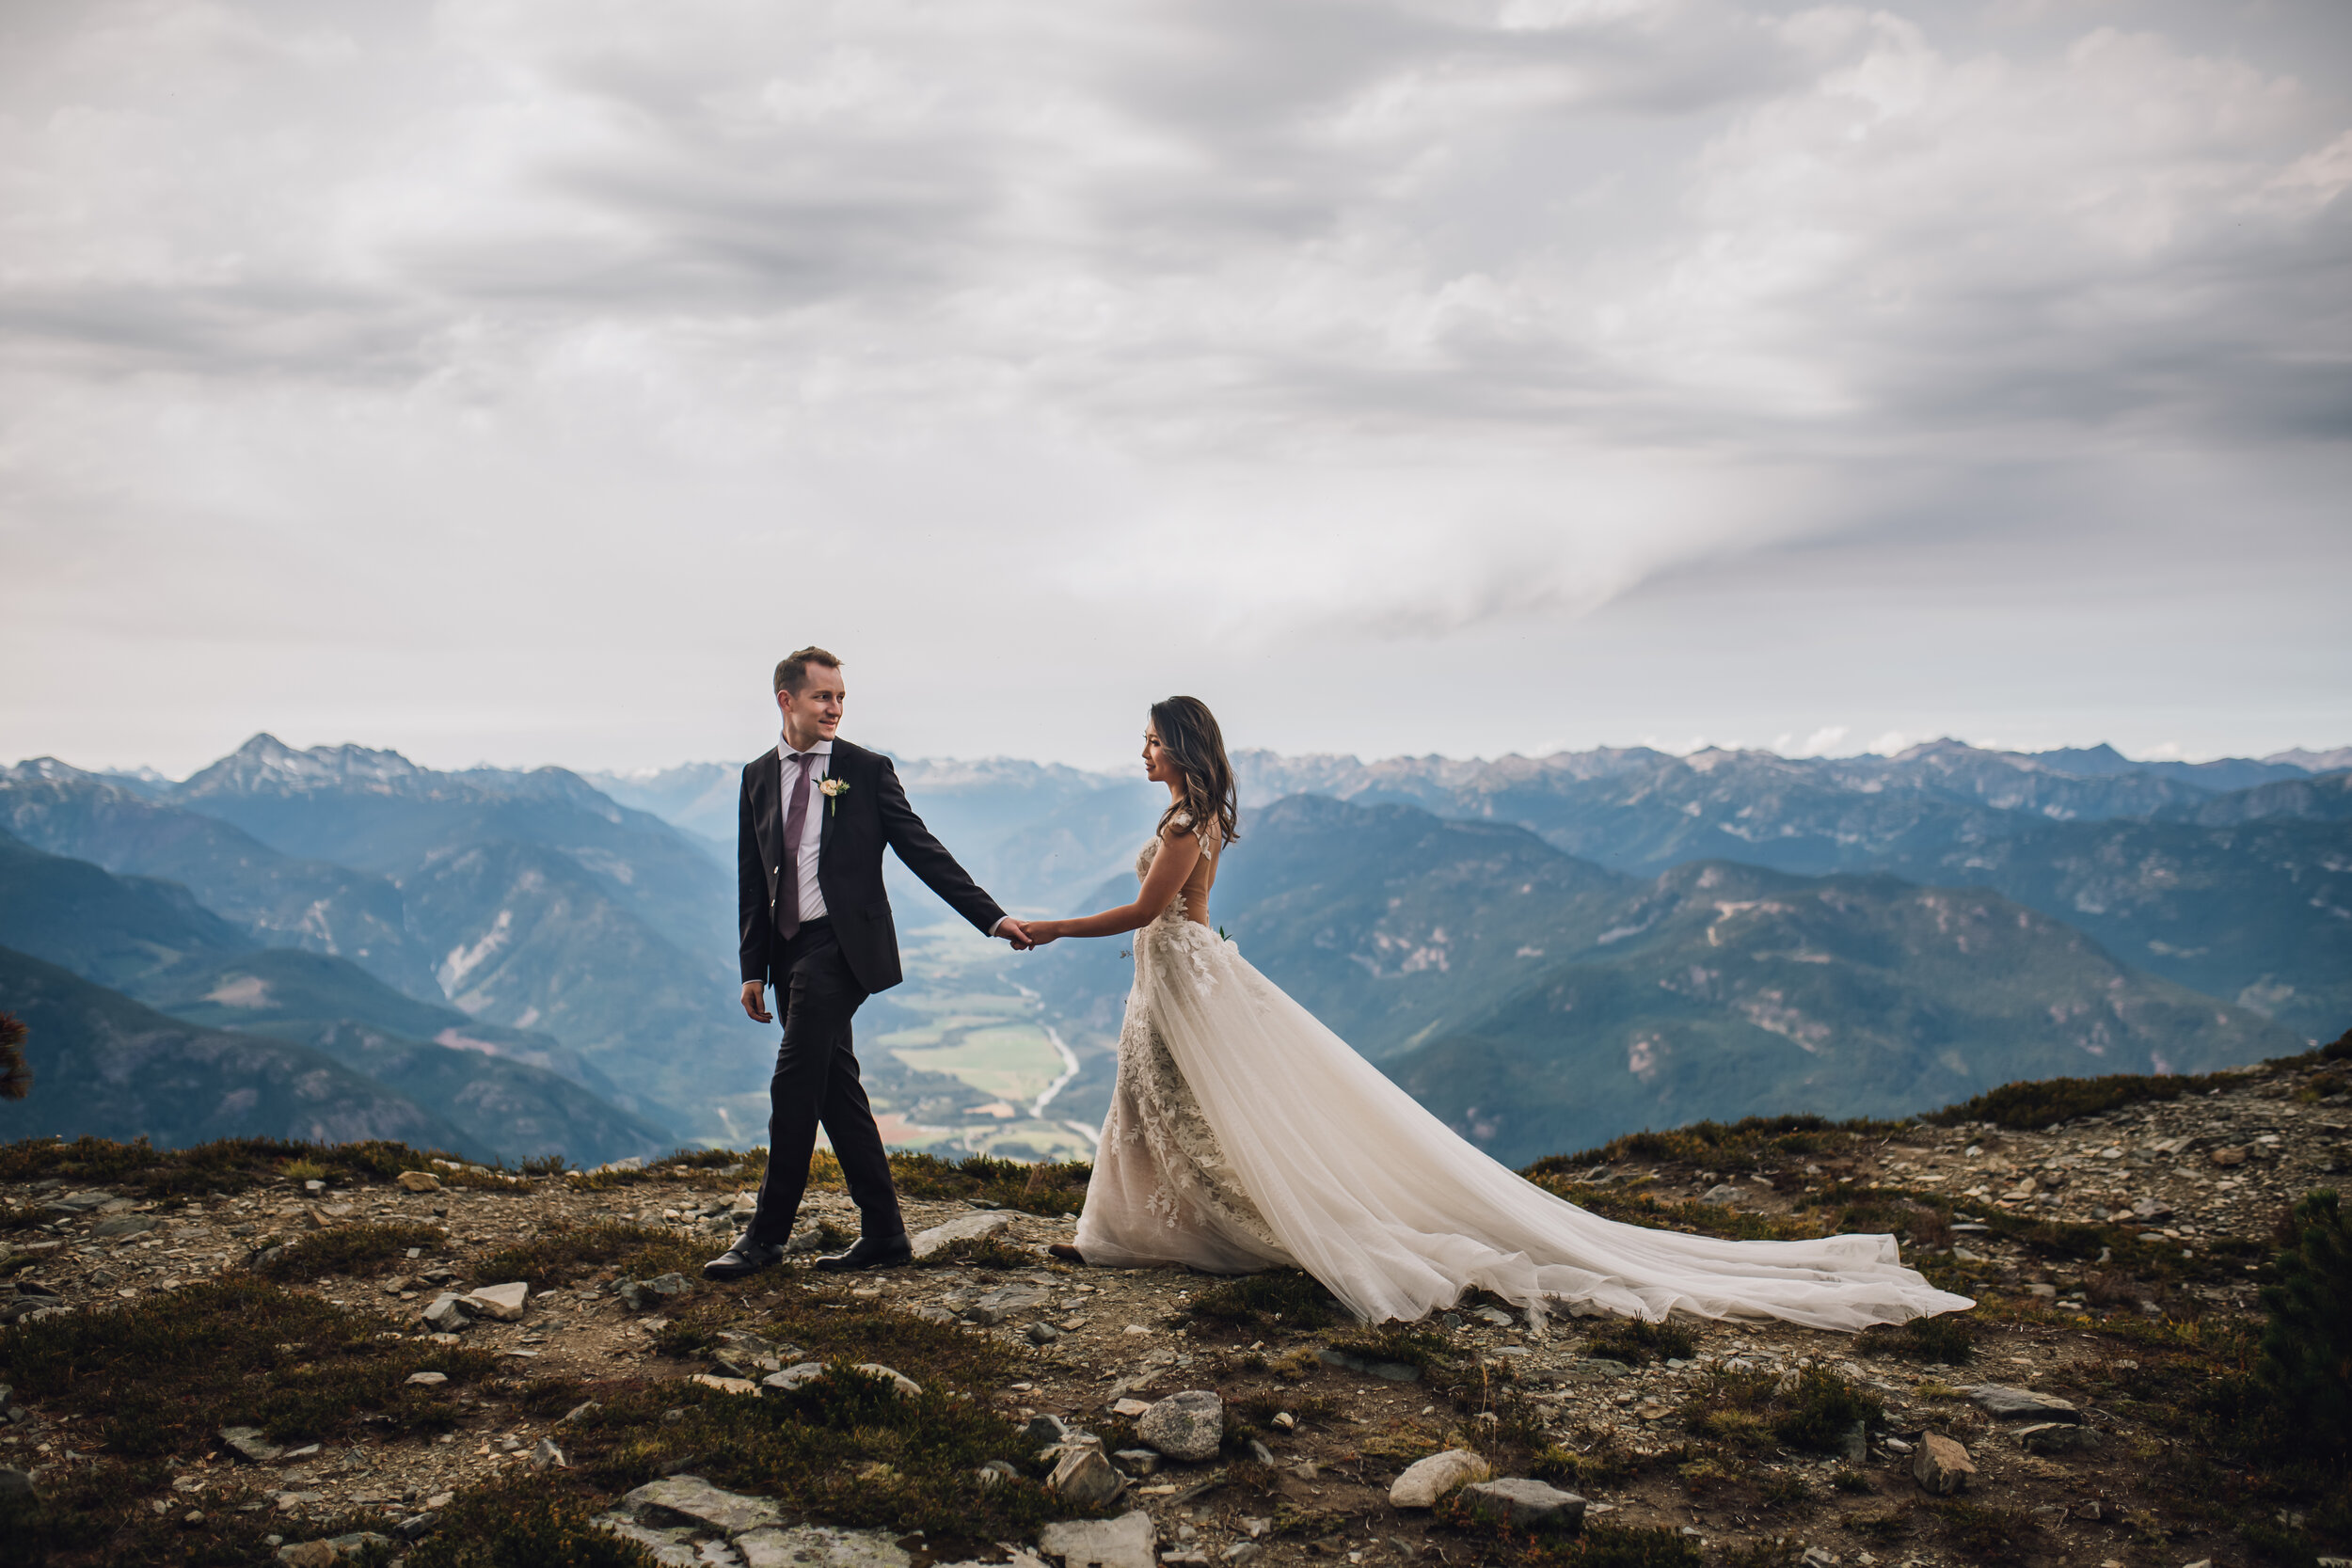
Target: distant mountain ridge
582	924
1533	999
528	898
106	1065
495	1092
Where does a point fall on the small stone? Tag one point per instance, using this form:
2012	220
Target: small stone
1042	1333
1528	1504
448	1314
503	1301
1240	1551
964	1227
726	1384
1086	1478
1138	1462
1121	1543
1044	1429
307	1554
1942	1467
418	1181
695	1500
793	1376
999	1305
2056	1437
1426	1481
587	1407
129	1225
1188	1426
416	1526
1130	1407
1855	1447
2228	1157
1720	1195
1999	1400
428	1380
249	1444
547	1456
15	1482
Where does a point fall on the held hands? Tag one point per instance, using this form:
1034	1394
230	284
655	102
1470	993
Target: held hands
752	1004
1025	934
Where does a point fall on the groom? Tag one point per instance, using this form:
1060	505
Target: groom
816	814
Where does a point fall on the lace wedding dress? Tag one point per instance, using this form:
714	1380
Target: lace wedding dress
1243	1134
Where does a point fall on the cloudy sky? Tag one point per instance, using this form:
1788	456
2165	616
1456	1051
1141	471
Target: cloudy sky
513	380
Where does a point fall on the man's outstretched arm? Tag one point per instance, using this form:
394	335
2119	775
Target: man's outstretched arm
934	865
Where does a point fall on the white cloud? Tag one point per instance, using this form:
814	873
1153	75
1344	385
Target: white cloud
453	348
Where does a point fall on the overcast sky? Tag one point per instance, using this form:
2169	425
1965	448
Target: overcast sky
515	380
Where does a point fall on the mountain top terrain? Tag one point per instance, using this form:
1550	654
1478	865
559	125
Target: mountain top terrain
220	1354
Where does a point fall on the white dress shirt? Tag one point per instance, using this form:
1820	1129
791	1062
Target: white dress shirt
812	827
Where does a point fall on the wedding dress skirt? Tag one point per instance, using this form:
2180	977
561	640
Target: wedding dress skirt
1242	1134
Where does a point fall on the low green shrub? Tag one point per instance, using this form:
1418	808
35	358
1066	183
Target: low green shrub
2045	1101
227	1165
1047	1187
1289	1299
563	1251
1637	1343
1946	1337
162	1374
351	1249
1748	1410
519	1524
2306	1359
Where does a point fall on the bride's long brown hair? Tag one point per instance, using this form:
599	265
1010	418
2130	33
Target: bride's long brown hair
1189	736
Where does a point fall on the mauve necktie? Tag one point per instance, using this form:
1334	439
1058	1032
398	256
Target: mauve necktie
795	819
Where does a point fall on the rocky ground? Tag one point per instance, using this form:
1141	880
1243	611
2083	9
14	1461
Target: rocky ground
2115	1257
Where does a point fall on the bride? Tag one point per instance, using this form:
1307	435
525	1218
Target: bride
1242	1134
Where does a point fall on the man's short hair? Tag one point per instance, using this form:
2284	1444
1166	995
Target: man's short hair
792	671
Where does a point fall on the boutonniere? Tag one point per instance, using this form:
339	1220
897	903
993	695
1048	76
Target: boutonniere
834	790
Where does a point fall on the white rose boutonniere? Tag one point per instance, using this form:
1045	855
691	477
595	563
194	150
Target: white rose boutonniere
834	790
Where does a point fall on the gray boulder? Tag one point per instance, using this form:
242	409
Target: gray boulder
1189	1426
1999	1400
697	1502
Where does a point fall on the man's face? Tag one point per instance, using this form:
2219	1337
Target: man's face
814	712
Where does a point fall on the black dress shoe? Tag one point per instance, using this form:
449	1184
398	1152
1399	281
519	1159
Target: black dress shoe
1067	1253
868	1252
745	1258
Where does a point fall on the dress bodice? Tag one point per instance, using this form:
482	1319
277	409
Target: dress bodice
1192	901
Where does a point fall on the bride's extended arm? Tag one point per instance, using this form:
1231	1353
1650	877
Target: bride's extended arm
1180	852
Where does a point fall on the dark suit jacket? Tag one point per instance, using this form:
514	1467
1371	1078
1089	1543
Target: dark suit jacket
855	825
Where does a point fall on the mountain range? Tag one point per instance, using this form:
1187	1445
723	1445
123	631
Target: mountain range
1538	1001
133	944
534	959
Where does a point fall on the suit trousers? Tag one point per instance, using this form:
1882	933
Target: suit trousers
816	1083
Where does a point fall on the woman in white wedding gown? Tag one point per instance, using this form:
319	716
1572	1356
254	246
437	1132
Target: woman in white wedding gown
1242	1134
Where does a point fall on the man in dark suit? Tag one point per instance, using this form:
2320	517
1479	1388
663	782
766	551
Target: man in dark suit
815	815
